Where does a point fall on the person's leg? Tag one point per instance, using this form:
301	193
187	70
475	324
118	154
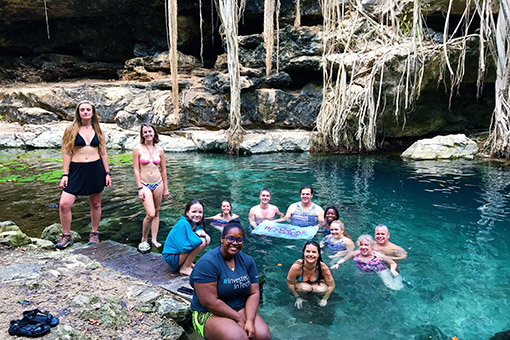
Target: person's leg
262	331
303	287
158	197
95	210
187	264
220	328
64	208
148	204
320	288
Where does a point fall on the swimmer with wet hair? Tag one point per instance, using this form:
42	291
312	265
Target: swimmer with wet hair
367	260
384	246
337	242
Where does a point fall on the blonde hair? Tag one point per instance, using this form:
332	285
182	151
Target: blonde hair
339	223
72	131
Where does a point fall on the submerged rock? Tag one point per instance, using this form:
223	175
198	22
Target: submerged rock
442	147
501	336
429	332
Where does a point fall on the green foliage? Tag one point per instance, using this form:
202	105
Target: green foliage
122	158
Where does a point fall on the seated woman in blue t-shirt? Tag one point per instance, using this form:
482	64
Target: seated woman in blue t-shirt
226	295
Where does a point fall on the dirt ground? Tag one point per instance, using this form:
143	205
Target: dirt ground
50	280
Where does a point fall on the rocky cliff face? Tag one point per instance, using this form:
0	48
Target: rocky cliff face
124	43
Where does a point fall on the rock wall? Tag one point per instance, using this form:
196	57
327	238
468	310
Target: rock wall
124	43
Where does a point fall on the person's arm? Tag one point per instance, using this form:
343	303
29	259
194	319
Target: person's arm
163	172
66	161
320	217
104	159
398	253
207	294
389	262
328	278
250	307
291	283
252	218
136	170
278	212
323	241
288	215
342	260
215	217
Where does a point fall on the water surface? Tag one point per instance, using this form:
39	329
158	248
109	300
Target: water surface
451	216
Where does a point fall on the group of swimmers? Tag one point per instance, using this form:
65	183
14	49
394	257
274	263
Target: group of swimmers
225	281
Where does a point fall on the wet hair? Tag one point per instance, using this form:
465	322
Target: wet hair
332	207
261	191
365	237
340	224
188	207
307	187
383	227
318	267
230	212
155	140
232	225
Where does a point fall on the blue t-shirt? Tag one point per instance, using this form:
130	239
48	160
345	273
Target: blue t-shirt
233	286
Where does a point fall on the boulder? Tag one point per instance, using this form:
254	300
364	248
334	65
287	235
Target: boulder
52	233
442	147
168	329
42	244
14	238
172	308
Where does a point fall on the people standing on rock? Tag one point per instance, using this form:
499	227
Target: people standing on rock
221	219
226	291
151	181
85	170
310	275
263	211
304	213
186	239
384	246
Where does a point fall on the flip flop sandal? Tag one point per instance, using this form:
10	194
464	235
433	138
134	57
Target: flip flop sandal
36	316
185	290
24	328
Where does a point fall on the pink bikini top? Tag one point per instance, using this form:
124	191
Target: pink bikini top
144	159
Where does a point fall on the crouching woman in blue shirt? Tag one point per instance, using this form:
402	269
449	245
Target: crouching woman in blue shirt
226	295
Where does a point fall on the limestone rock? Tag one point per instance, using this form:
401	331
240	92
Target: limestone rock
168	329
52	233
14	238
42	244
277	141
8	226
66	332
173	309
442	147
109	311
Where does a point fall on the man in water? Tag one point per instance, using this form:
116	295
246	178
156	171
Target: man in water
304	213
384	246
263	211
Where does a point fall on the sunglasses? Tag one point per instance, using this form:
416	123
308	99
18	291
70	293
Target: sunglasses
236	240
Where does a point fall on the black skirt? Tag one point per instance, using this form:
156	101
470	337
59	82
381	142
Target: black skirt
86	178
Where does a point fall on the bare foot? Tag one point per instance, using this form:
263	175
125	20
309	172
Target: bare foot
156	243
185	271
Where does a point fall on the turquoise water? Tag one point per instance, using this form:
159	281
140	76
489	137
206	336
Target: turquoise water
451	216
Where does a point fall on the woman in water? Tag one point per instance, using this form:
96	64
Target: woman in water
226	291
336	242
367	261
85	170
331	214
221	219
148	159
186	239
310	275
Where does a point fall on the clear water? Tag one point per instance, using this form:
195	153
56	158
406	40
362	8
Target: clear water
451	216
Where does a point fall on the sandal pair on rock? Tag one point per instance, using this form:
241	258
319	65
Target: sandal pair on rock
34	324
